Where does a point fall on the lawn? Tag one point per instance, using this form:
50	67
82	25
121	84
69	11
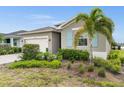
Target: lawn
62	77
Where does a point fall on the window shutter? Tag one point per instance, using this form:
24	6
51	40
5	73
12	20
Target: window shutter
95	41
69	37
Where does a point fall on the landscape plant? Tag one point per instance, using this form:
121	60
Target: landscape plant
81	69
90	68
95	22
7	49
102	72
35	63
72	54
30	51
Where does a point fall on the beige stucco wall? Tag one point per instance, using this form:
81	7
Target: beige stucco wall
53	40
49	34
103	45
64	33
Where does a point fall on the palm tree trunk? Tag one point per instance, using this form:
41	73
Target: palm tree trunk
90	50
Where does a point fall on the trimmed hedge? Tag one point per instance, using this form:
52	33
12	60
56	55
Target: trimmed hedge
72	54
35	63
30	51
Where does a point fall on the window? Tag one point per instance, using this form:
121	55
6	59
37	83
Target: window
69	39
15	42
82	41
7	40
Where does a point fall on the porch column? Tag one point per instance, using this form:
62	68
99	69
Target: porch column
11	42
2	42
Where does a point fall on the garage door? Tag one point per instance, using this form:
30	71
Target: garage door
43	42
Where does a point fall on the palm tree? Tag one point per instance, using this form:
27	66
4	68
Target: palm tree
95	22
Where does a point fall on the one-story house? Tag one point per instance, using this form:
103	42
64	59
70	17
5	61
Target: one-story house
59	36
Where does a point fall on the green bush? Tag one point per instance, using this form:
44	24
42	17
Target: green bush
113	65
101	72
7	49
113	54
90	68
59	57
70	54
51	57
122	60
81	69
40	56
30	51
16	49
35	63
47	56
99	62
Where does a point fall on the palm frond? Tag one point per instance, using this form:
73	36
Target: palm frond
105	31
95	13
81	17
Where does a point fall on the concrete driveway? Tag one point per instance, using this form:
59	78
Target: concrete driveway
9	58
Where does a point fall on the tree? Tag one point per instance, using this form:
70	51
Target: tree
95	22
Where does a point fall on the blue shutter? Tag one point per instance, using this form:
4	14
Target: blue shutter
95	41
69	38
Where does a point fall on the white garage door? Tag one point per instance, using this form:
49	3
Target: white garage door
43	42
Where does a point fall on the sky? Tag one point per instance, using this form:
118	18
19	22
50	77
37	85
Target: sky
33	17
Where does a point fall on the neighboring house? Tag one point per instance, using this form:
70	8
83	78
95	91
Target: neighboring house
59	36
13	38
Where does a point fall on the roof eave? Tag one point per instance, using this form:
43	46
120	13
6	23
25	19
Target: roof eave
34	32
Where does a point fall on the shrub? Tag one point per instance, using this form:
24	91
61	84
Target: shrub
69	66
113	65
51	57
101	72
70	54
46	56
7	49
35	63
122	60
90	68
99	62
40	56
4	49
113	54
59	57
16	49
81	69
30	51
